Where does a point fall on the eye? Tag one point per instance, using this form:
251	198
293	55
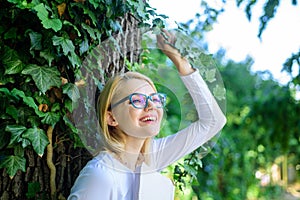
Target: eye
138	99
156	99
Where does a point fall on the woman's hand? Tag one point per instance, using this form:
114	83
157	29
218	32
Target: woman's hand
166	42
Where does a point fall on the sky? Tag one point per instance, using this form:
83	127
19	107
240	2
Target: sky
238	36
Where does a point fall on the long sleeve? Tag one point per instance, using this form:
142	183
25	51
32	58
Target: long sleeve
210	121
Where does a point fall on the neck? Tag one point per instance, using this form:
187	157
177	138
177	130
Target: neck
130	157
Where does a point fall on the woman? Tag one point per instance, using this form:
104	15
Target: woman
130	113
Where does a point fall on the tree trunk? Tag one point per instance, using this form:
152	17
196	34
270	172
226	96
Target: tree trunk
67	160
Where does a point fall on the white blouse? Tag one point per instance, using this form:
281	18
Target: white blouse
105	178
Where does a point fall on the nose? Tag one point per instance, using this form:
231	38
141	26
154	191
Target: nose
150	105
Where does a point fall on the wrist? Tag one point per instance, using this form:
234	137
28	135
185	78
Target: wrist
183	66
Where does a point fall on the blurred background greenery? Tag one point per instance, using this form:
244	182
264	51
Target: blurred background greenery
257	153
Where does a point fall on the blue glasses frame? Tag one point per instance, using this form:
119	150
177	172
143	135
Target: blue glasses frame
162	98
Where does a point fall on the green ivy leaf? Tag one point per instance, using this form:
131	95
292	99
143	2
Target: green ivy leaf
74	59
14	66
48	23
48	55
38	139
12	111
70	124
91	31
72	91
11	61
51	118
73	26
44	77
28	101
35	40
16	131
69	105
13	164
25	143
65	43
22	4
55	107
219	92
84	46
210	75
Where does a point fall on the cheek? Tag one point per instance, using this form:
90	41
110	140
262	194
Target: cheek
126	115
160	114
134	114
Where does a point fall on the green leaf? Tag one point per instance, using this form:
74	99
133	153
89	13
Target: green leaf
44	77
38	139
25	143
51	118
35	40
70	124
48	55
48	23
72	91
72	25
219	92
13	164
55	107
65	43
28	101
22	4
90	30
12	111
11	61
14	66
70	105
74	59
16	131
84	46
210	75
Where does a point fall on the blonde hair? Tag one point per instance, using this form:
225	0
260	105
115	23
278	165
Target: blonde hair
113	138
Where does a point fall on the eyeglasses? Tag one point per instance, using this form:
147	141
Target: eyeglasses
140	101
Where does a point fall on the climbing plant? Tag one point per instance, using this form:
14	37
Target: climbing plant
42	47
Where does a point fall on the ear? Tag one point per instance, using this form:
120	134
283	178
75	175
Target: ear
110	119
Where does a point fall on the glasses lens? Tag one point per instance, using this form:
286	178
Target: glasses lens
138	100
158	99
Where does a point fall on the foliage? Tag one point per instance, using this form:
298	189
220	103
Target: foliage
259	111
269	12
42	46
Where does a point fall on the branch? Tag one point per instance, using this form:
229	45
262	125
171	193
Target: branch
50	163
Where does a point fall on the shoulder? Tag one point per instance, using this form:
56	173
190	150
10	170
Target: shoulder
97	168
95	179
97	172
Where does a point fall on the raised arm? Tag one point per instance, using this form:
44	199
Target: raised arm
210	117
165	41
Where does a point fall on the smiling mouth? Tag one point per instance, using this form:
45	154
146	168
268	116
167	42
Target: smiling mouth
148	119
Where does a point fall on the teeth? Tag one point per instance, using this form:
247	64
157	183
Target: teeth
148	119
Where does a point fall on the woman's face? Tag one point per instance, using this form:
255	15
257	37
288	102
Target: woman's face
139	123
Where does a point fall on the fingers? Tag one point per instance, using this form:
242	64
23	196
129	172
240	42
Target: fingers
166	40
168	36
